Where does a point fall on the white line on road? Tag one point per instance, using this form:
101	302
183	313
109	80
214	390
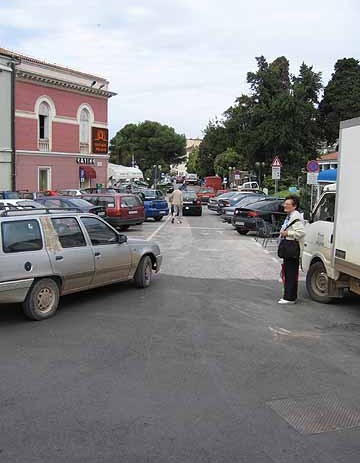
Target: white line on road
158	229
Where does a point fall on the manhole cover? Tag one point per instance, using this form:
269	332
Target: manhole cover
316	414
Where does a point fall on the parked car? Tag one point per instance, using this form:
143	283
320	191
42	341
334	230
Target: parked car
70	192
191	203
232	200
191	179
9	195
46	255
68	202
205	193
269	210
228	212
179	178
99	190
155	204
19	204
122	209
213	204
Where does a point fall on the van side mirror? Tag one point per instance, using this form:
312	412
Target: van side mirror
122	239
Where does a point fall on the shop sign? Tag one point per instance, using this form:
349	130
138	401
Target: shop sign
87	161
100	140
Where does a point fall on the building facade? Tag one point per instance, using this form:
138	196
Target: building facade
191	143
6	148
61	126
329	161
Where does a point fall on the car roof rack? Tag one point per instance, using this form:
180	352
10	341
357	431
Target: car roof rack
36	211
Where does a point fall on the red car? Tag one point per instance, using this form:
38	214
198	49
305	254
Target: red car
205	193
122	209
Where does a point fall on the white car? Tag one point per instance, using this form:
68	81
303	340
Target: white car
8	204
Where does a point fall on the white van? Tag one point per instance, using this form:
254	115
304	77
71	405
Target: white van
332	252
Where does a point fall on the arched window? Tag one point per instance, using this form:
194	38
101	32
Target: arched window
84	131
44	116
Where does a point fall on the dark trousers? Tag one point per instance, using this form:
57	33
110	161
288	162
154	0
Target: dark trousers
291	276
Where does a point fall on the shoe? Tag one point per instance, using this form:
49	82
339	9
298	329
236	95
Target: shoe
285	301
172	220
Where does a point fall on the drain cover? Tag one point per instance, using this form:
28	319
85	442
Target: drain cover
316	414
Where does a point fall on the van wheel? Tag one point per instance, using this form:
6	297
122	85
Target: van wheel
143	273
42	300
317	283
158	219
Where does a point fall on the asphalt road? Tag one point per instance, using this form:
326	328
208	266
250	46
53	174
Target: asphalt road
203	366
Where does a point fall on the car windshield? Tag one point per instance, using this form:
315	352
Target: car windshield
189	195
244	202
206	190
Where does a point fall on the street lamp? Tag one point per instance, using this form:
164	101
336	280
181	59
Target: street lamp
260	166
157	170
231	175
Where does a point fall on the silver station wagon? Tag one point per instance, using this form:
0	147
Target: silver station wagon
45	254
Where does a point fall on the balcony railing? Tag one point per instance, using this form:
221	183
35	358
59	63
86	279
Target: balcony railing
44	145
84	148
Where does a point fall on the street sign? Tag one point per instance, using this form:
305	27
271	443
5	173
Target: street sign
312	178
276	162
276	173
237	176
313	166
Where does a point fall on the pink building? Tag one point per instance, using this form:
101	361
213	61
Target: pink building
60	125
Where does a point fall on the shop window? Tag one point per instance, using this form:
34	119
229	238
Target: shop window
44	179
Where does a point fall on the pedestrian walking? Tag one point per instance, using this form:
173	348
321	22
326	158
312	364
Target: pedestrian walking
290	249
176	201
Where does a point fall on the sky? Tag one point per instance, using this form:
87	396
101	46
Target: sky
180	62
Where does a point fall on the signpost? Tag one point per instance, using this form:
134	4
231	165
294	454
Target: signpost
312	177
276	166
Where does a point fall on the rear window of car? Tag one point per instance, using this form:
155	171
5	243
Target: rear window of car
274	206
21	236
106	201
130	201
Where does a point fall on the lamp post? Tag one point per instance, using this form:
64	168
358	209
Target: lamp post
157	169
231	175
260	166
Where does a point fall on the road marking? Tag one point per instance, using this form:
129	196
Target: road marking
276	260
160	227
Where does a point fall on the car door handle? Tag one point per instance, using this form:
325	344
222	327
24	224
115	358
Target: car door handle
97	254
59	258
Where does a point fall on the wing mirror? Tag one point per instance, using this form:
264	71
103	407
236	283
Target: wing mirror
122	239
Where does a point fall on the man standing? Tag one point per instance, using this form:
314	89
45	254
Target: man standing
176	201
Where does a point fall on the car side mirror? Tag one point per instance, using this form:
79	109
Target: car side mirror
122	239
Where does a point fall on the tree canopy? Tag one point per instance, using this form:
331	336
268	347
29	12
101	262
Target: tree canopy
277	117
150	143
341	98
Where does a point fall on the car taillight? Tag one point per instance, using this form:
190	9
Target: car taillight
252	214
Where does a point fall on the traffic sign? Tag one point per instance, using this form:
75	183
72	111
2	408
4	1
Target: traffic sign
312	178
276	173
313	166
276	162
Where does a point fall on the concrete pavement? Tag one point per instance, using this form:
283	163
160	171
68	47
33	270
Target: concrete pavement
203	366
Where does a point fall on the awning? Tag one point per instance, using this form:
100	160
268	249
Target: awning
327	176
88	172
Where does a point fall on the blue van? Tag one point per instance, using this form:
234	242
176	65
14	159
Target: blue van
155	204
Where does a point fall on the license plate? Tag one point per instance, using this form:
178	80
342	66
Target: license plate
163	212
240	223
133	212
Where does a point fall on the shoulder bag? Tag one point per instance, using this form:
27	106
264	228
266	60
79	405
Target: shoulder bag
289	249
